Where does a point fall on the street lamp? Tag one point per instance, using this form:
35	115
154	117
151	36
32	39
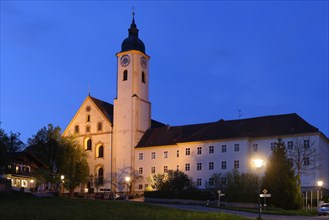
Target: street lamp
320	184
62	183
258	163
127	181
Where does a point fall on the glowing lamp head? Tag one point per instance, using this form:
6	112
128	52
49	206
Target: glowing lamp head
258	163
127	179
320	183
62	177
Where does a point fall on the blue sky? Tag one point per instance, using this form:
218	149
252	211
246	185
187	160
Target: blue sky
209	59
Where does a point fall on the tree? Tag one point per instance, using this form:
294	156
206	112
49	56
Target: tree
280	179
241	186
73	164
216	182
46	145
62	155
9	143
172	181
304	156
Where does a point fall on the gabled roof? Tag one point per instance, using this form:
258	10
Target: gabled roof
252	127
107	110
27	157
105	107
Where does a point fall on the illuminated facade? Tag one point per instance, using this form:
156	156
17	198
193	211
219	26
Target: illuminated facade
122	140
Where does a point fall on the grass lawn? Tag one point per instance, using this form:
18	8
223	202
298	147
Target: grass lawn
24	206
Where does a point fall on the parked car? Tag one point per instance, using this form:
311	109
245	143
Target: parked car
324	209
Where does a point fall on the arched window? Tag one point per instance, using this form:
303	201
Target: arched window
125	75
88	144
143	77
101	151
88	118
100	176
76	129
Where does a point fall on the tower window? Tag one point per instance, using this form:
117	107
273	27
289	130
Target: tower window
101	151
88	118
125	75
143	77
88	129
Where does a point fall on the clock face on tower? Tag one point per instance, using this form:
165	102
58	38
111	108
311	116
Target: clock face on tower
125	60
143	62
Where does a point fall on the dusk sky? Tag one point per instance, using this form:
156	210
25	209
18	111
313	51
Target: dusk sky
209	59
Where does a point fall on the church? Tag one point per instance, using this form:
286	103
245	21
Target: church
121	140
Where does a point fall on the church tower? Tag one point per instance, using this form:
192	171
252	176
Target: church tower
132	108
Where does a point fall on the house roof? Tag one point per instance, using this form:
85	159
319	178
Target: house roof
104	107
27	157
251	127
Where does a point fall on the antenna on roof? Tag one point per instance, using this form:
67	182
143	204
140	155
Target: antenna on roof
88	90
239	113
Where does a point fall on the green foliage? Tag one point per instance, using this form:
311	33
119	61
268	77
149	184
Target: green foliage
172	181
62	155
74	164
46	145
241	187
280	179
9	143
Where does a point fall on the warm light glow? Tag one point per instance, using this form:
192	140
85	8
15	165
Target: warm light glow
320	183
62	177
127	179
31	181
86	190
258	163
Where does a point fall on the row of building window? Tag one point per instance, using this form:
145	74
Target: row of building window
125	76
188	151
99	128
211	166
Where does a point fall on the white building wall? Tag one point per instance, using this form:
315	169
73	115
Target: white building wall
158	162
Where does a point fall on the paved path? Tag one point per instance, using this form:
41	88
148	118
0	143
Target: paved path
245	214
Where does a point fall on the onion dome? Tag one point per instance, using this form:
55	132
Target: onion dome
133	42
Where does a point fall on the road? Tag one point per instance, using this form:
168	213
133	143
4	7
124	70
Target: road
245	214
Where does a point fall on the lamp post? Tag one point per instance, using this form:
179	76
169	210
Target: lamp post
62	183
319	183
258	163
127	181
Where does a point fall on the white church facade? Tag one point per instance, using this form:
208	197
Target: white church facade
122	140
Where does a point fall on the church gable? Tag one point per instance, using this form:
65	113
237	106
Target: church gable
93	116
